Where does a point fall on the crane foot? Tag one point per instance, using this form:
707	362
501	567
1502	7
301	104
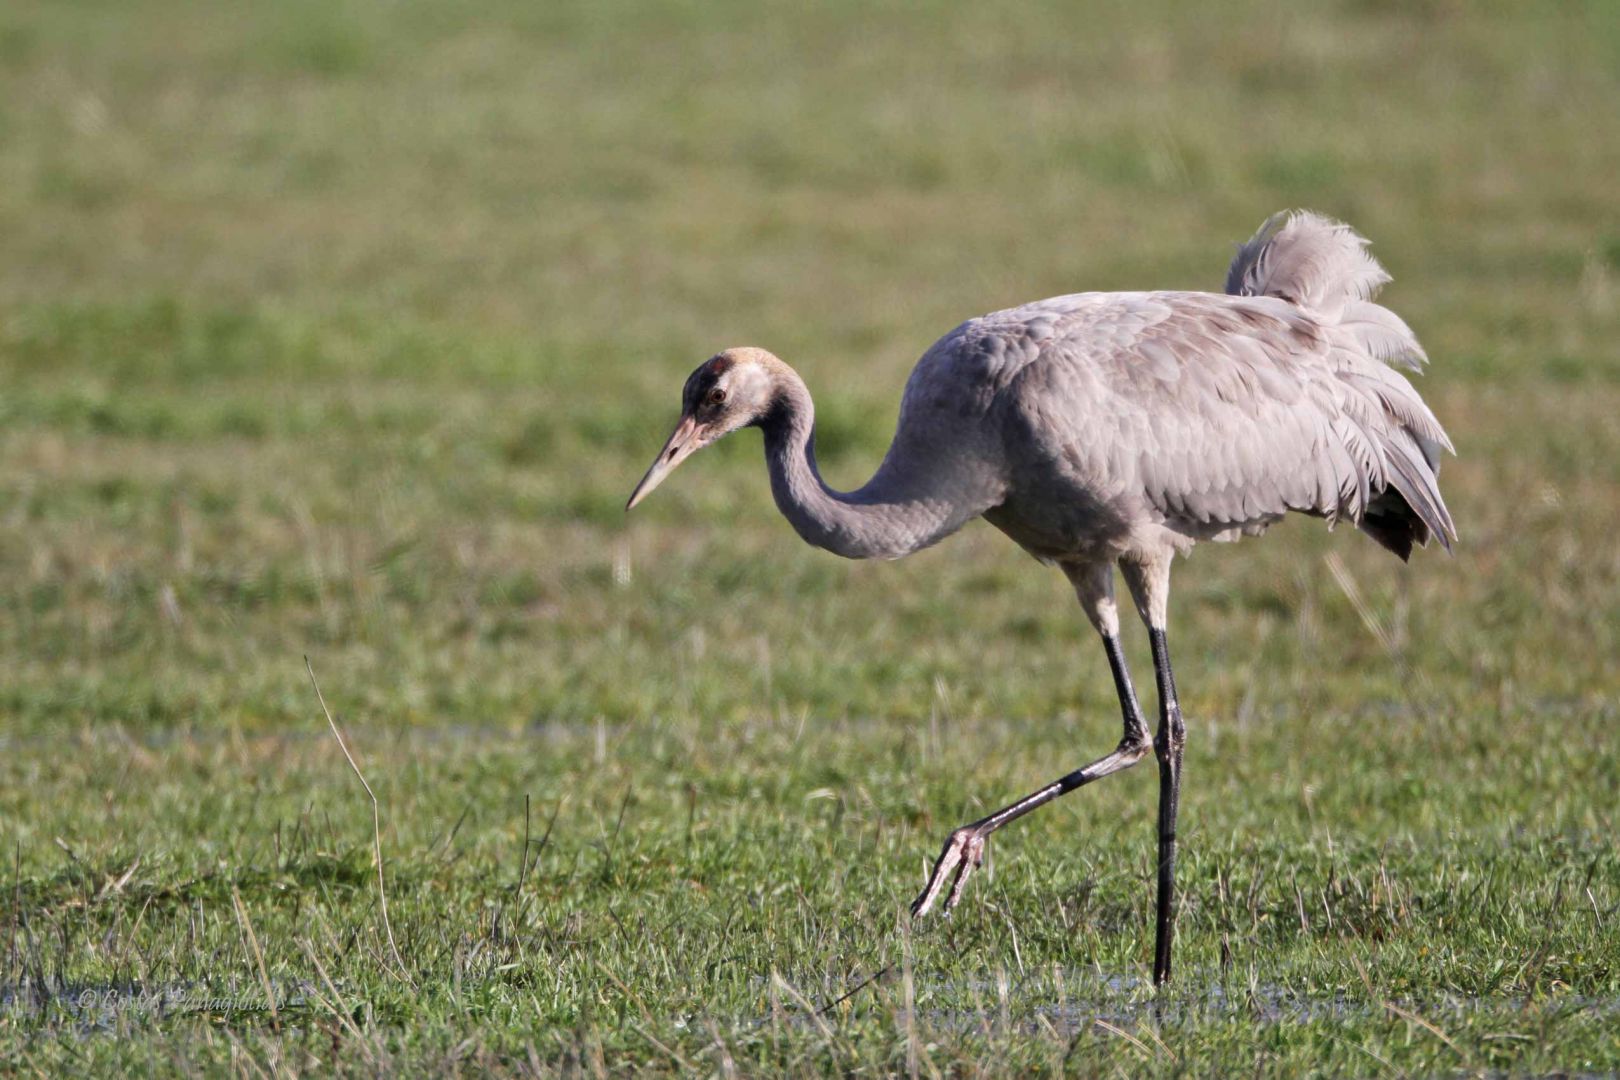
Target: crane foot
963	853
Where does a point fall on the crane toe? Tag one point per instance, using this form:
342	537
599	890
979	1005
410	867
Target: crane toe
963	853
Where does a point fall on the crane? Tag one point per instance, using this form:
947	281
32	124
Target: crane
1103	430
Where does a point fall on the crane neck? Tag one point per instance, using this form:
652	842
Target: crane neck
903	508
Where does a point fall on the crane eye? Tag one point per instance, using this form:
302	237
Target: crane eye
717	396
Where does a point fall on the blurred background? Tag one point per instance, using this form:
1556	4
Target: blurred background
345	329
348	327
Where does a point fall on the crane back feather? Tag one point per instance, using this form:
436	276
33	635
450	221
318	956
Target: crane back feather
1129	421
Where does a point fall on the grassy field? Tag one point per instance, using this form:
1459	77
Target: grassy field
343	330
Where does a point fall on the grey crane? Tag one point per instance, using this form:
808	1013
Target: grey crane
1105	429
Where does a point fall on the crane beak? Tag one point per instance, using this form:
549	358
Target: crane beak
683	442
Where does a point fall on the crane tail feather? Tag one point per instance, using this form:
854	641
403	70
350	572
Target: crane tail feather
1315	262
1410	510
1394	441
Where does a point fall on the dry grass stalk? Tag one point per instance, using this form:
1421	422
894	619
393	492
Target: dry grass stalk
376	826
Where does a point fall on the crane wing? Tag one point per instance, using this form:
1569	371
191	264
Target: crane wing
1224	412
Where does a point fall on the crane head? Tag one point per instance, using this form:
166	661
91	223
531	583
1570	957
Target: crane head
728	391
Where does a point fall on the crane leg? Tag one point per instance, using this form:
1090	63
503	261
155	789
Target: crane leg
1167	746
964	848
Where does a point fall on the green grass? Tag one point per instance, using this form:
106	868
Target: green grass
345	330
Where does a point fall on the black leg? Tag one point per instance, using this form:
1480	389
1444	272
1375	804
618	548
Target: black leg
1167	746
964	848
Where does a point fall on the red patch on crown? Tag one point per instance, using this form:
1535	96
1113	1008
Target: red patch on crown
720	363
